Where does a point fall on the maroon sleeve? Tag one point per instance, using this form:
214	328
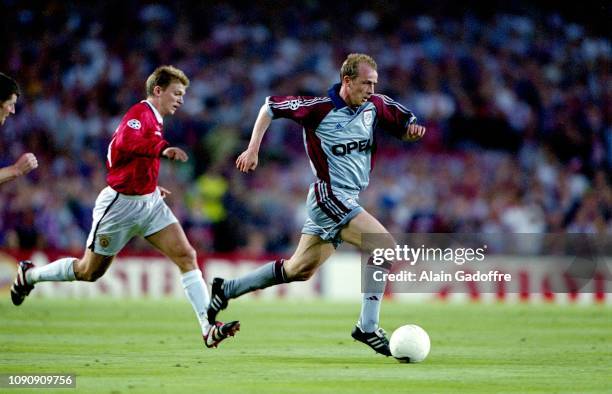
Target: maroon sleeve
139	134
391	116
305	110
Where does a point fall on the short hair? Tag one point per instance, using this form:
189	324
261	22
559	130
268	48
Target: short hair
8	87
350	66
163	76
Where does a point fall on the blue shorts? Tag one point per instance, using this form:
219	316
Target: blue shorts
329	211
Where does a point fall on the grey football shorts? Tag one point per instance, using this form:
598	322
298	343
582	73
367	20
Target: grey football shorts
329	211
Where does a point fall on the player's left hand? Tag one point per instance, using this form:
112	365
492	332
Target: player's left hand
26	163
163	191
414	132
174	153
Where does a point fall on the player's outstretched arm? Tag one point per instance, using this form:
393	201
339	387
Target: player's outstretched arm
414	132
174	153
247	161
26	163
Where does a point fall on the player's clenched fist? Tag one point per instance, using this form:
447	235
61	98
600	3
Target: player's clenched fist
414	132
174	153
26	163
247	161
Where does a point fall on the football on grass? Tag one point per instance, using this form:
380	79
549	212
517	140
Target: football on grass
410	344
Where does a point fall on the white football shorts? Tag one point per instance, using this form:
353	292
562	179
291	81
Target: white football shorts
117	218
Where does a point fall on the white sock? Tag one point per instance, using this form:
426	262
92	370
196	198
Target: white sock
197	293
57	271
370	311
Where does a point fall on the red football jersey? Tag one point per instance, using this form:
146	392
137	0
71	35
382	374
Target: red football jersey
135	151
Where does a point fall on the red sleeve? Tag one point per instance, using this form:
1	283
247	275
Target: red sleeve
304	110
140	134
391	116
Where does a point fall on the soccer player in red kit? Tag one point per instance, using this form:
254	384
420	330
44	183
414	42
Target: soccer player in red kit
9	92
132	204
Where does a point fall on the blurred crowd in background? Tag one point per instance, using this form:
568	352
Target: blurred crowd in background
517	107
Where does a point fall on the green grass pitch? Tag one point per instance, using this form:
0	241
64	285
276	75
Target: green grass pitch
150	346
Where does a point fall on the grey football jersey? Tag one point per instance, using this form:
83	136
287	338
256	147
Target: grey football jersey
339	139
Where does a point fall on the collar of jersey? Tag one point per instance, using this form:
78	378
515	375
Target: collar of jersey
157	115
334	95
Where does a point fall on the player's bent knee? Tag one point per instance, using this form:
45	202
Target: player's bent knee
190	254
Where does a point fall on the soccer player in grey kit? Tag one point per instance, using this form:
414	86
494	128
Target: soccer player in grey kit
338	137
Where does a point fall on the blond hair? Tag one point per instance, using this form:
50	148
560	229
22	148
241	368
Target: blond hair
350	66
163	76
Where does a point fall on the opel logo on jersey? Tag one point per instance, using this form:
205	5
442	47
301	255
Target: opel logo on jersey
134	124
368	118
349	147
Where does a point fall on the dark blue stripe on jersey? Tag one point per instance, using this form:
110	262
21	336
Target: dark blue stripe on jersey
334	95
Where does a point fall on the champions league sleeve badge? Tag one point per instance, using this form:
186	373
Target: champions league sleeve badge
294	104
134	124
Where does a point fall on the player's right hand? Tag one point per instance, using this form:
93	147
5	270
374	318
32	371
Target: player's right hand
26	163
174	153
247	161
414	132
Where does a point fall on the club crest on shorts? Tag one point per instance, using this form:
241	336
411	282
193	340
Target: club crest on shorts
104	240
368	118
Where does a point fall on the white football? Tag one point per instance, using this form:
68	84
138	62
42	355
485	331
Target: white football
410	344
